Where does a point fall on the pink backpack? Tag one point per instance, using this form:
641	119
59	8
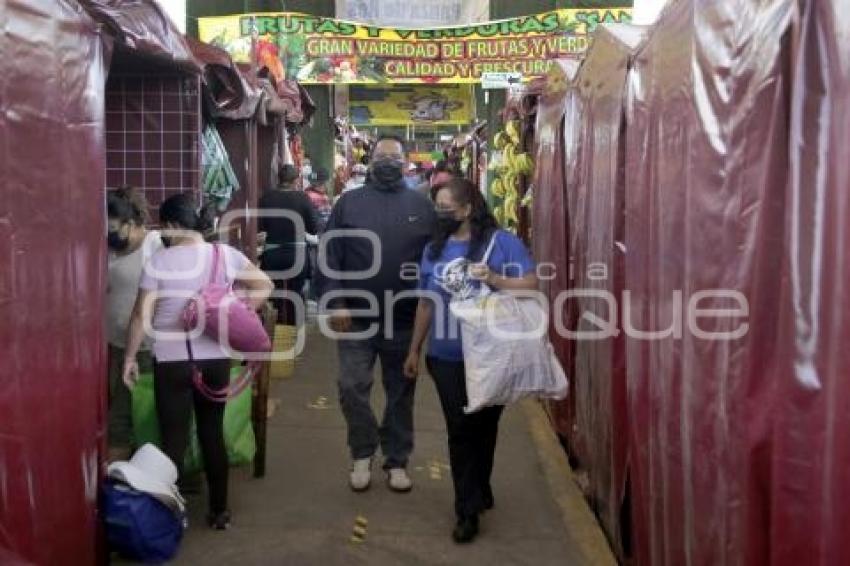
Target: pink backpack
227	320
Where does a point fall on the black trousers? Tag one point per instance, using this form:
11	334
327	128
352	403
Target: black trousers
282	259
175	397
472	438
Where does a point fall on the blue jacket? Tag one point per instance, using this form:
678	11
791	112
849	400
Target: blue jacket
403	222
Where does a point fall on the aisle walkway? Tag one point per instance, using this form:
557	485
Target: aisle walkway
302	512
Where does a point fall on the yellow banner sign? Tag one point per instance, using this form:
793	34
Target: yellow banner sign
317	50
419	105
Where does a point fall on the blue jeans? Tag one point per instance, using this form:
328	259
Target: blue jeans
356	364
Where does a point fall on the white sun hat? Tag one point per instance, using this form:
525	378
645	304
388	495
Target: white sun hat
150	471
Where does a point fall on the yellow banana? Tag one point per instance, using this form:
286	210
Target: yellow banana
512	129
499	215
524	163
498	188
510	156
508	182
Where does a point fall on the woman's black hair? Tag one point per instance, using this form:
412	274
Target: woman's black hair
482	223
127	205
182	210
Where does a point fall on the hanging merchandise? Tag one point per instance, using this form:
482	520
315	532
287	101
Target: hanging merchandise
508	166
219	179
513	167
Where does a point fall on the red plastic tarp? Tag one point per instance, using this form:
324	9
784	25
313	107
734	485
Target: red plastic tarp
736	190
810	518
705	179
143	28
597	248
52	270
549	217
227	91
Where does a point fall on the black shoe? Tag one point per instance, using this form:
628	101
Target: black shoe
466	530
219	521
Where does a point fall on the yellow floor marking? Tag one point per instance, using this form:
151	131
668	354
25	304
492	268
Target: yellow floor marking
577	516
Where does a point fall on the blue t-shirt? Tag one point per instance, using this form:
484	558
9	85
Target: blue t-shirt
448	276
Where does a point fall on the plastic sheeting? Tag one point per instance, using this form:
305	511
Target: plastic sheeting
707	145
228	93
732	121
52	267
810	519
142	26
597	249
549	220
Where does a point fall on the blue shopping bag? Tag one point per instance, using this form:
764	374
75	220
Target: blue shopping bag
140	527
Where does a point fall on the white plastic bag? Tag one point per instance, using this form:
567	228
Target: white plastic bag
506	351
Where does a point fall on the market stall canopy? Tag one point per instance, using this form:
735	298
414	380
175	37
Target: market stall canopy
143	28
288	99
232	94
228	93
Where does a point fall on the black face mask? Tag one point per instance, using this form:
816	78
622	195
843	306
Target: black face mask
447	223
116	242
387	171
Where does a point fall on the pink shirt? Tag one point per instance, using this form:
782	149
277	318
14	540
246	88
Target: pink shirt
176	274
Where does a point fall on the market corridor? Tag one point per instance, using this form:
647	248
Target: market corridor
303	513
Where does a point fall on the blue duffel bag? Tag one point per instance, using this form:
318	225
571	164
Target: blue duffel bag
139	527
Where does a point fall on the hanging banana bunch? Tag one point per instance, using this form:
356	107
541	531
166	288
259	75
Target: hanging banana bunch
498	187
501	140
524	164
512	128
510	163
509	157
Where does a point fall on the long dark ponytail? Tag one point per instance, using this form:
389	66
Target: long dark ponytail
482	224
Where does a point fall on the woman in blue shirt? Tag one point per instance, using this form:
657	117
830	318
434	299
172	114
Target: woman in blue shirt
452	270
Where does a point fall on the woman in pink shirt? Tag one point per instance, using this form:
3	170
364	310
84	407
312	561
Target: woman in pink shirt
169	280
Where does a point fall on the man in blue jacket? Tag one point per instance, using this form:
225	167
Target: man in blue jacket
367	286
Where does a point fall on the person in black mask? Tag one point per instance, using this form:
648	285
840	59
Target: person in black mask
368	313
130	246
468	251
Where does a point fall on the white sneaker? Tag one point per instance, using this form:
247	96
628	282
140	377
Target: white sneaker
361	474
399	480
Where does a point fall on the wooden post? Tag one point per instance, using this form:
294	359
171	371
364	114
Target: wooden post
260	399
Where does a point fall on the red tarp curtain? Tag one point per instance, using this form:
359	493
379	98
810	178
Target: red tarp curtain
549	213
810	491
52	271
707	145
732	121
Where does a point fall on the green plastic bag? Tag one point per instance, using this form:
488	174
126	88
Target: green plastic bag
238	431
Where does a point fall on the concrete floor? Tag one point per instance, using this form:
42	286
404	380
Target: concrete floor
303	513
